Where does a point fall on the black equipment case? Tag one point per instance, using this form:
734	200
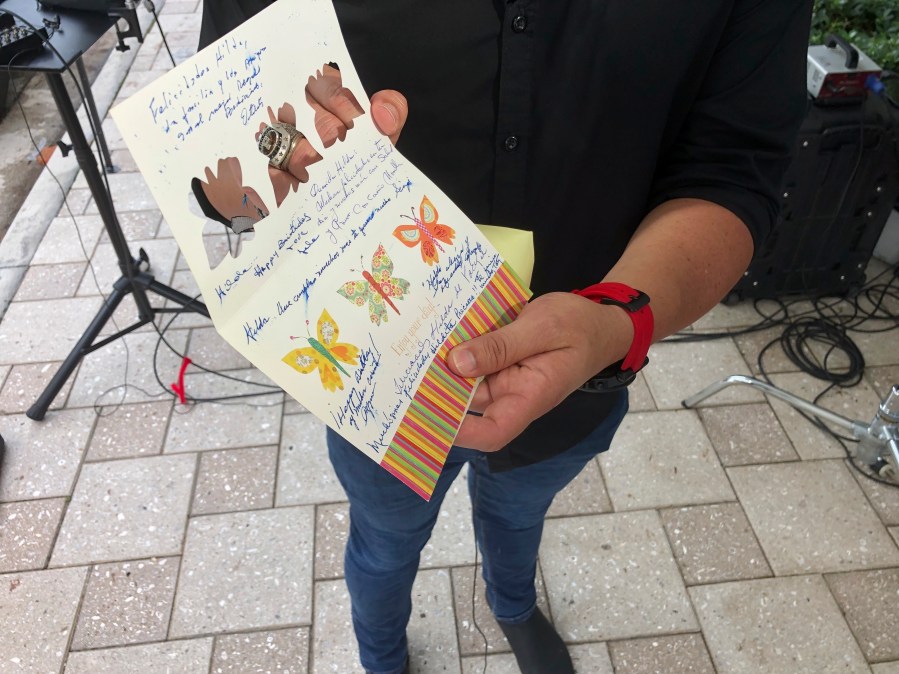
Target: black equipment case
837	195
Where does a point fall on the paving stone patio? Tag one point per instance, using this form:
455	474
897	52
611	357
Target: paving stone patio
140	535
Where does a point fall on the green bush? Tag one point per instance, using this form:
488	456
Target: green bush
871	25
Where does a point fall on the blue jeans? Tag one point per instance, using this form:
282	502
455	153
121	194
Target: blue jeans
390	524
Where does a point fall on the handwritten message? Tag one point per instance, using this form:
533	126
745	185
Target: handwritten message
343	295
200	94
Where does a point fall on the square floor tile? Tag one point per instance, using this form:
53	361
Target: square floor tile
304	453
127	603
812	517
747	434
235	479
870	602
587	659
177	23
245	571
276	651
180	7
470	639
585	495
137	225
334	647
225	425
291	406
432	639
727	317
859	402
432	631
130	360
50	281
67	240
885	668
218	247
613	577
591	658
660	459
189	656
209	348
130	430
883	497
681	653
677	371
129	190
775	626
639	397
114	140
332	527
882	379
122	159
75	202
774	359
105	270
879	349
503	663
26	382
37	610
714	543
126	509
27	532
27	335
42	457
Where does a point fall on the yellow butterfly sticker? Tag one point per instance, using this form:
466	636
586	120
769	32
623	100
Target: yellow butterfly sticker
324	354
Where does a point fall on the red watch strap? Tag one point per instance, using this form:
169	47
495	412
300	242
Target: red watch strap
636	303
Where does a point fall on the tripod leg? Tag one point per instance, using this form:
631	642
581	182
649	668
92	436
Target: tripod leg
859	430
92	112
82	347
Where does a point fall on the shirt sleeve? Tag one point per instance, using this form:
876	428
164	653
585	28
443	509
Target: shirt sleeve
735	143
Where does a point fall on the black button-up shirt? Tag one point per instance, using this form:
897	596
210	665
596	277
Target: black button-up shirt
575	118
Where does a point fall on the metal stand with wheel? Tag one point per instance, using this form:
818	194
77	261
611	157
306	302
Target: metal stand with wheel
878	441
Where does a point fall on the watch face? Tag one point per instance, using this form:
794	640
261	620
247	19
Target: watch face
268	141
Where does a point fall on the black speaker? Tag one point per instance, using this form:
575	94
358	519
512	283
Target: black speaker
837	195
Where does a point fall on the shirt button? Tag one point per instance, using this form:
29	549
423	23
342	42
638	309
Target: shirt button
519	23
511	143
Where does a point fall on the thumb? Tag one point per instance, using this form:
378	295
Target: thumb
389	110
497	350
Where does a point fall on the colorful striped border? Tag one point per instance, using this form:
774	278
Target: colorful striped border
426	433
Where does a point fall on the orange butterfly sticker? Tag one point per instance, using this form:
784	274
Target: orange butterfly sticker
426	232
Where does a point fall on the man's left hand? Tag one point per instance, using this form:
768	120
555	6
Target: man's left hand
558	342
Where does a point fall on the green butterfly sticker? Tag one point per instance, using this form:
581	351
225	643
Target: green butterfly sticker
376	288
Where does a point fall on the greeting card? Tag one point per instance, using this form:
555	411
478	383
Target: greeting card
346	275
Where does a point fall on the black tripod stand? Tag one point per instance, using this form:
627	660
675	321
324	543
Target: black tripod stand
133	281
81	30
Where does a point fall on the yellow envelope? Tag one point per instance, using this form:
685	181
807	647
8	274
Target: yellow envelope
516	246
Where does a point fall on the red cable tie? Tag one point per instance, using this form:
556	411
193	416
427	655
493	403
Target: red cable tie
178	387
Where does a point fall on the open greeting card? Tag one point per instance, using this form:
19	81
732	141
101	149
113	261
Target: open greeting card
347	289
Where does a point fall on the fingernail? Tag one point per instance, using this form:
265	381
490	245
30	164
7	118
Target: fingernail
394	115
464	362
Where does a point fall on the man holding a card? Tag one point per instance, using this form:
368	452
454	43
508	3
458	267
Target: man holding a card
643	143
